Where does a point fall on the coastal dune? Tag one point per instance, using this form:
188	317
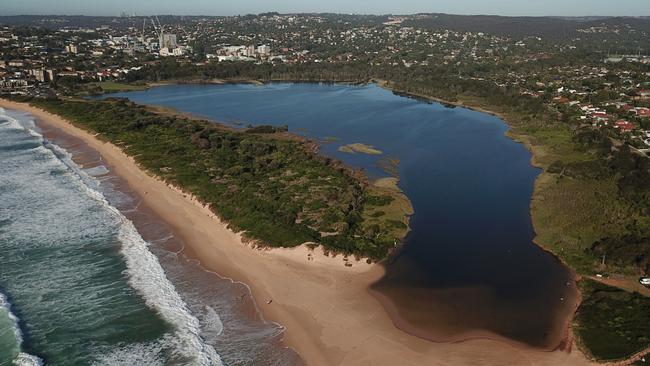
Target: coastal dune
330	316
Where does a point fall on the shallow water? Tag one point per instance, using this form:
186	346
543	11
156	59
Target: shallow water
469	264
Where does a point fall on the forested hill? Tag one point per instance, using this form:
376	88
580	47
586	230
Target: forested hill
517	27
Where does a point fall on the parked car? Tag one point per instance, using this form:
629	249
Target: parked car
645	281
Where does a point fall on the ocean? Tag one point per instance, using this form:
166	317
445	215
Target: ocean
87	277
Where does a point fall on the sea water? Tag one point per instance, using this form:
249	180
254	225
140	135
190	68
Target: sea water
80	286
78	283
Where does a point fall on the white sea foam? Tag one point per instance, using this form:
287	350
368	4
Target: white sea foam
23	359
145	274
6	306
25	124
212	322
96	171
141	354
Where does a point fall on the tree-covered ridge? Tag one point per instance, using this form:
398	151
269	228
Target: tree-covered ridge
265	182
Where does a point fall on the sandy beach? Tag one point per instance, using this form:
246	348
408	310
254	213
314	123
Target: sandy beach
330	316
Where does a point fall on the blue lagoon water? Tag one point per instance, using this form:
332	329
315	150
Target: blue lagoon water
469	263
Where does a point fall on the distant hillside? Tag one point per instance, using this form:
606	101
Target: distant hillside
82	21
557	28
552	27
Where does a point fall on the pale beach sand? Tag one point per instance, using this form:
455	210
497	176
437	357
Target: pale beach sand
330	316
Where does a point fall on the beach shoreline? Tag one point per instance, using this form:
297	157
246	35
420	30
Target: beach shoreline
329	315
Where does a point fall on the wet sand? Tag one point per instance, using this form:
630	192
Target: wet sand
330	316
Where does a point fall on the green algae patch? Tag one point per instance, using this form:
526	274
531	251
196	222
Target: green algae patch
360	148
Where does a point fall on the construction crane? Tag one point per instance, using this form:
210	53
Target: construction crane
144	25
157	27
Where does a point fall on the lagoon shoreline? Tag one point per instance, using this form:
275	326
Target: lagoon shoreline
330	316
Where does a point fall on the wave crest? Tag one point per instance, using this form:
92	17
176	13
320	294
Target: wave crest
144	274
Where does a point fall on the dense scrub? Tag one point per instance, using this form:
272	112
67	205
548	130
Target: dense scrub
271	185
612	323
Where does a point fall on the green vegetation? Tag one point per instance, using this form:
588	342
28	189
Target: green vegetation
593	201
612	324
263	181
360	148
571	215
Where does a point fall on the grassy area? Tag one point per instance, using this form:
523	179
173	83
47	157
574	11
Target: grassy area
578	204
611	323
105	87
570	215
113	87
386	211
262	180
550	144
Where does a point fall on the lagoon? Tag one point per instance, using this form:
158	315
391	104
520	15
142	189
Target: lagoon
469	268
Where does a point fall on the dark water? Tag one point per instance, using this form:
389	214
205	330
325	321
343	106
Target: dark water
469	263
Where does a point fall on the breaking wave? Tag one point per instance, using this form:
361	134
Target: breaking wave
144	274
22	359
